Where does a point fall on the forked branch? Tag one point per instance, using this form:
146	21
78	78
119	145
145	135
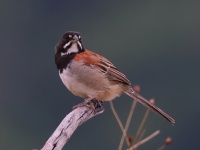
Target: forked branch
70	123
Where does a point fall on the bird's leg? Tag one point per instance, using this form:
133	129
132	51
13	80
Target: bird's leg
96	106
85	103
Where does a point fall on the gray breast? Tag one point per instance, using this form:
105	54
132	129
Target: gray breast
88	76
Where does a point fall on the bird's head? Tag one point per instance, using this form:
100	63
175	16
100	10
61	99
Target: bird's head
70	43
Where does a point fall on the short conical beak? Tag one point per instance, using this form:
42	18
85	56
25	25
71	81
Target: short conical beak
75	38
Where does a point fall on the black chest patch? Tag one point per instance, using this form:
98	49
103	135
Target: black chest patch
63	61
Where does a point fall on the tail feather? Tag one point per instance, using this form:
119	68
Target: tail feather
146	103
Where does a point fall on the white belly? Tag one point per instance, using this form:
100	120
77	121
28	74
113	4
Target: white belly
88	83
76	87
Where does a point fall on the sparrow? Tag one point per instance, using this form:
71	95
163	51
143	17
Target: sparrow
92	76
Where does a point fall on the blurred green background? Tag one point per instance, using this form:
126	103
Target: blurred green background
155	43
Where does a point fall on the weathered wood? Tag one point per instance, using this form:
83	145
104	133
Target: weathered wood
71	122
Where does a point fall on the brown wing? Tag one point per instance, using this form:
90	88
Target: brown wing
104	65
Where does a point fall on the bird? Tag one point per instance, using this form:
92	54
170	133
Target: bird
91	76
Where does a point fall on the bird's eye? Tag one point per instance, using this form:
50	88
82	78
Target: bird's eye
70	36
79	37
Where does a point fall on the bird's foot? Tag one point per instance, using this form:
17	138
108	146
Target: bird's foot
91	103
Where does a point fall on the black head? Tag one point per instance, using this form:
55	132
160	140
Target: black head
70	43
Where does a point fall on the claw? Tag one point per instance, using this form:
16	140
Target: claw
93	104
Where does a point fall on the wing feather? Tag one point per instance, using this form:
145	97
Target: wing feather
105	66
112	72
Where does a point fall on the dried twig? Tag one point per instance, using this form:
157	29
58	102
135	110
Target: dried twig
127	124
143	121
141	135
70	123
144	140
117	117
141	124
119	121
168	141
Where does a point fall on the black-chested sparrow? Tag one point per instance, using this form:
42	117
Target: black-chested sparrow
89	75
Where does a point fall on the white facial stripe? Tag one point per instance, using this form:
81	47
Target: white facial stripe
67	44
62	54
80	44
73	49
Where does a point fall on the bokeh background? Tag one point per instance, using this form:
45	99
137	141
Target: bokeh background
155	43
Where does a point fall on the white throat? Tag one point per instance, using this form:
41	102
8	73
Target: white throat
72	49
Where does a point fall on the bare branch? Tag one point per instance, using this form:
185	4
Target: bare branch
127	123
70	123
118	121
142	124
141	135
144	140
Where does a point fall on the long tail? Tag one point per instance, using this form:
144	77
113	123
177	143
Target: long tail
146	103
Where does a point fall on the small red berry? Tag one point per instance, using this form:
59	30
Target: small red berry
136	88
168	140
152	101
